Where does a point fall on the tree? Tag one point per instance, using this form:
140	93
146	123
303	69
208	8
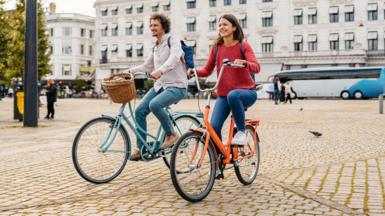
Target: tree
16	60
4	41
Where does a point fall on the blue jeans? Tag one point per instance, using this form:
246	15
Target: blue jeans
155	102
236	101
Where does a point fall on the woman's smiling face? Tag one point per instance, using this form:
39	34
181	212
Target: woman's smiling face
225	27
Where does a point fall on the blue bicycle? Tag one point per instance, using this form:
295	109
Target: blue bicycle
102	146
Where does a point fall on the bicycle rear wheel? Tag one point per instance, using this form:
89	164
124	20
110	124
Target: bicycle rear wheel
246	170
93	164
192	182
182	125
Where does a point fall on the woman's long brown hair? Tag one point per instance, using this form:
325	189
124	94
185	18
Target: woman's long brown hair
237	35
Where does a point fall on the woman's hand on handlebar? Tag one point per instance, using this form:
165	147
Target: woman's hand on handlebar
190	73
240	62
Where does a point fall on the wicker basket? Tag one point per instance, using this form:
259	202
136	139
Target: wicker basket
120	87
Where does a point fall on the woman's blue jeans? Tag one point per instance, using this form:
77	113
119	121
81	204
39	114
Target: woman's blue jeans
236	101
155	102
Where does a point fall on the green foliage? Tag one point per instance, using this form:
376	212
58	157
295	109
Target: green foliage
4	41
79	84
15	57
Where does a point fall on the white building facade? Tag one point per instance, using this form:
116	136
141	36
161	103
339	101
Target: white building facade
72	45
283	33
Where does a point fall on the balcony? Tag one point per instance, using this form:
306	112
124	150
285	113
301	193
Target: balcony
375	53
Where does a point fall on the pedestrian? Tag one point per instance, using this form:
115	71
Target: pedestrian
51	94
166	66
288	92
236	89
276	90
282	92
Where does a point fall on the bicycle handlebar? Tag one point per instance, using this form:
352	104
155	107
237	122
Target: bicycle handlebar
225	63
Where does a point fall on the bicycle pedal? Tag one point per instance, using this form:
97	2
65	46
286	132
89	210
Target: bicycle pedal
220	176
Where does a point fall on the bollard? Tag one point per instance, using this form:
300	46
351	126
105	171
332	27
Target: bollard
381	103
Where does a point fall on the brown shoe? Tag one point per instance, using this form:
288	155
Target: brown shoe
170	140
135	155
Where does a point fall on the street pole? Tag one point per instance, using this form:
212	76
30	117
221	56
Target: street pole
30	66
381	103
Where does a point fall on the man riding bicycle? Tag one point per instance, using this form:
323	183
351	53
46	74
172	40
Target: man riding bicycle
165	65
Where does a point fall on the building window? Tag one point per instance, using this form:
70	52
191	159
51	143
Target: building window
190	24
298	43
104	11
129	51
267	44
312	43
129	9
155	7
81	49
349	40
226	2
91	50
51	49
66	70
242	1
212	3
51	32
263	1
312	16
128	29
267	19
349	13
334	42
91	33
372	12
67	31
139	28
67	50
104	53
114	29
212	23
139	9
104	30
333	14
298	17
114	49
167	6
190	4
242	18
114	11
139	50
372	40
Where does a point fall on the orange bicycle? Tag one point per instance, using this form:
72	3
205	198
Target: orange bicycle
199	154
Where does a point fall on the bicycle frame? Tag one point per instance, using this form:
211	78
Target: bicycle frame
210	132
133	125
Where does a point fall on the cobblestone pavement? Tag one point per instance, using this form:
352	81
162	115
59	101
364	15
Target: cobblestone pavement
340	173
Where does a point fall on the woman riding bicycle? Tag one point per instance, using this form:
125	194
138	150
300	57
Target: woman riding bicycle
165	65
236	89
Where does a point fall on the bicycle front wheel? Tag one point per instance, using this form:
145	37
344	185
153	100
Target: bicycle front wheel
192	177
182	125
93	162
246	170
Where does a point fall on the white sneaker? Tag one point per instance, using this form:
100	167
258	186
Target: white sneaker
239	139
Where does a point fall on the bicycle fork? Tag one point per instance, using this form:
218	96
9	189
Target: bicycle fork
110	136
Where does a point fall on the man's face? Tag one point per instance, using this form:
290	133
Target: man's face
156	28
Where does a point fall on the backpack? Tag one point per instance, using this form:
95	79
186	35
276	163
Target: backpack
188	53
243	56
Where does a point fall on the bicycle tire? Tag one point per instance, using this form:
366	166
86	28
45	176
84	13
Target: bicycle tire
181	131
254	163
91	163
178	173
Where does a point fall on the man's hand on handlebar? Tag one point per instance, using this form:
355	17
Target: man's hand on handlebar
156	74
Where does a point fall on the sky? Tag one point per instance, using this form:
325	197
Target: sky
85	7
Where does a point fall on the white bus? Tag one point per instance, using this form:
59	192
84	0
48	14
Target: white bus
344	82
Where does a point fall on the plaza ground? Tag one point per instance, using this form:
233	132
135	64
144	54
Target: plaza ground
340	173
